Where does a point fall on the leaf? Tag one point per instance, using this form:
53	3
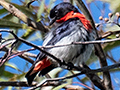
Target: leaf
25	10
92	58
21	76
2	68
114	5
10	88
41	9
3	11
11	18
8	0
7	74
28	33
12	65
6	23
111	45
55	72
89	1
60	86
2	79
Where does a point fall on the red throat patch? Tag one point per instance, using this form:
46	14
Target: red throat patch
71	14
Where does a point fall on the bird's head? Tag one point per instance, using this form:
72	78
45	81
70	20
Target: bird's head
60	11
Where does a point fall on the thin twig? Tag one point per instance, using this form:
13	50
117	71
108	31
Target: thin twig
3	60
85	71
78	43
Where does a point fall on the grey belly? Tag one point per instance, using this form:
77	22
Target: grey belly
72	53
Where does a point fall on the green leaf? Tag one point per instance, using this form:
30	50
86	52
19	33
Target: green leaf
111	45
60	86
9	24
2	79
2	68
28	33
41	9
25	10
55	72
12	65
7	74
92	58
11	18
114	5
8	0
21	76
3	11
89	1
10	88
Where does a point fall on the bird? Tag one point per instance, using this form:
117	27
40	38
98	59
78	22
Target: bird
73	27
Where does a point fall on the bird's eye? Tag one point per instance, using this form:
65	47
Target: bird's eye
56	12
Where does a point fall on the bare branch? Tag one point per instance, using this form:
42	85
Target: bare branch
61	62
75	87
24	84
6	57
78	43
53	82
13	52
84	71
16	83
106	34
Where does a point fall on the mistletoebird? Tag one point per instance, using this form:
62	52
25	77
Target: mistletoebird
74	27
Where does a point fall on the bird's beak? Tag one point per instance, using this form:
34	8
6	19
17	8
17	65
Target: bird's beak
52	21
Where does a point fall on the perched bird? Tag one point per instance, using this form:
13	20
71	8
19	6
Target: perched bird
74	27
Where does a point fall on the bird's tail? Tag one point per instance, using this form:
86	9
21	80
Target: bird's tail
30	76
38	66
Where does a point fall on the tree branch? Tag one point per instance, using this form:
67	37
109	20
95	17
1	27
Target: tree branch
98	49
61	62
23	17
16	83
84	71
96	80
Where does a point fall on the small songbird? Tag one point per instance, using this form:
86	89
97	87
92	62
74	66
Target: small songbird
74	27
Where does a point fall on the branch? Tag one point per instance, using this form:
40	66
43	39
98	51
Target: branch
15	53
106	34
96	80
13	10
16	84
24	84
18	53
8	54
61	62
79	43
75	87
98	49
52	82
84	71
